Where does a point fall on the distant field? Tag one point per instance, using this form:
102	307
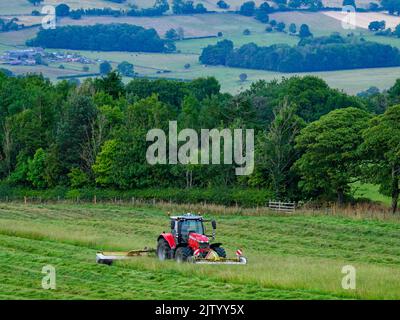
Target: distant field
290	257
193	25
320	23
23	7
370	191
232	26
363	19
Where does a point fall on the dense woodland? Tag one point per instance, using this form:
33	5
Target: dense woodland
311	54
311	141
102	37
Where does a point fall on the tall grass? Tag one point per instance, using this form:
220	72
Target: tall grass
290	256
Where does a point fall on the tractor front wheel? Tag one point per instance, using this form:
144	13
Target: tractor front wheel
163	250
220	252
183	254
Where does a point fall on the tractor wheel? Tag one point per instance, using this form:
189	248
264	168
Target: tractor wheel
220	251
183	254
163	250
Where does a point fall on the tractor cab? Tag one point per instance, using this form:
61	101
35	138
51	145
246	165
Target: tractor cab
189	225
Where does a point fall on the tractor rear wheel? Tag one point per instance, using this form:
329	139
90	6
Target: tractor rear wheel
163	250
183	254
220	251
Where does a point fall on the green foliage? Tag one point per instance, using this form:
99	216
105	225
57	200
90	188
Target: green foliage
319	54
171	34
105	67
126	69
115	37
277	151
187	7
62	10
20	173
377	25
382	150
304	31
330	153
36	169
247	8
393	6
78	178
103	168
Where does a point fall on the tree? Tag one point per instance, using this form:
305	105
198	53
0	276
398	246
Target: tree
331	157
105	67
78	178
277	148
292	28
280	26
393	6
377	25
397	31
304	31
35	2
62	10
126	69
262	16
73	131
217	54
381	149
246	32
248	8
295	4
349	3
222	4
36	169
171	34
103	168
111	84
243	77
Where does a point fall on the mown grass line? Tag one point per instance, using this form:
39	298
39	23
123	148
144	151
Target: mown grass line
289	257
81	279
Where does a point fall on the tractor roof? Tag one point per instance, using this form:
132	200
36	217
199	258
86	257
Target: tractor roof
188	216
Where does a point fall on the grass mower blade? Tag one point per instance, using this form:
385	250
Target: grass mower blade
109	257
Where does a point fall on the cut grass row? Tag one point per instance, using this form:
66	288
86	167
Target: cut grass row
289	257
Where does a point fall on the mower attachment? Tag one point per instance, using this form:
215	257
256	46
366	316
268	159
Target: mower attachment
239	260
109	257
213	258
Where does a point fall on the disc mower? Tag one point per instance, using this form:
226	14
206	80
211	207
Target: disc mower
187	242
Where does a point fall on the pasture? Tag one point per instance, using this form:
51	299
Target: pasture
232	27
290	257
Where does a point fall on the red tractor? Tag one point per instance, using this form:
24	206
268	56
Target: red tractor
187	242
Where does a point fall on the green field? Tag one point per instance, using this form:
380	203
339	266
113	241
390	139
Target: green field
290	257
23	7
232	26
371	192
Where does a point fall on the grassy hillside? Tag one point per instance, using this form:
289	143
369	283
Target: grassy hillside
289	256
23	7
232	26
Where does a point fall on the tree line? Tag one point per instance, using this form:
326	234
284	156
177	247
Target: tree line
102	37
311	54
311	141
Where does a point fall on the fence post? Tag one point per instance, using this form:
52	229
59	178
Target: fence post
95	199
25	200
